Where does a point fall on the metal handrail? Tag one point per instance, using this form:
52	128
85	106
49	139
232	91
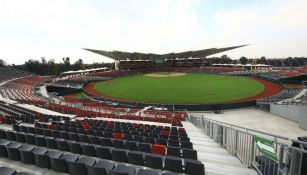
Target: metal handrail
248	129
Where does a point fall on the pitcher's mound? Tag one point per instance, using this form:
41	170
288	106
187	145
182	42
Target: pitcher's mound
171	74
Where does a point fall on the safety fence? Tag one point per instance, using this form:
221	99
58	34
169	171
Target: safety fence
268	154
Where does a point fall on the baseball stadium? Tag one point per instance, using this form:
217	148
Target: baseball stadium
153	87
155	114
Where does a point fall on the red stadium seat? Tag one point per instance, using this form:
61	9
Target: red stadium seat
119	136
158	149
164	132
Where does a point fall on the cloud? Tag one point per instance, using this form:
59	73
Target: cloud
277	30
60	28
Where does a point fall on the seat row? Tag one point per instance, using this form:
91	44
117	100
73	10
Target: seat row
88	148
105	139
105	123
151	136
108	125
108	133
11	119
76	164
151	160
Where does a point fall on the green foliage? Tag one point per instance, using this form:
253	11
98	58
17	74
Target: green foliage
50	67
243	60
2	63
186	89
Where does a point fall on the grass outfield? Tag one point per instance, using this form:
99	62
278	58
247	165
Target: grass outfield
185	89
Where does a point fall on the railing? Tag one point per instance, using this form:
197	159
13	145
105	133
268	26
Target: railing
252	148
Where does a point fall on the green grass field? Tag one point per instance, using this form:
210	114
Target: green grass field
186	89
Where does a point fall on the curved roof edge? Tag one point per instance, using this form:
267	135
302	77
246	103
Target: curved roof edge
120	55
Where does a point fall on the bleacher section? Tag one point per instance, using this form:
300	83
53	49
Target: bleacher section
285	94
280	74
92	142
96	146
22	89
7	73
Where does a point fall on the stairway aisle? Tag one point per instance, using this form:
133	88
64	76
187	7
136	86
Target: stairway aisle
216	159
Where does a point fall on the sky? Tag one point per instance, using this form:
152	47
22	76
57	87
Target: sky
55	29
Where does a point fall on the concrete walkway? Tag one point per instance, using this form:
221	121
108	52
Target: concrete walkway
260	120
217	160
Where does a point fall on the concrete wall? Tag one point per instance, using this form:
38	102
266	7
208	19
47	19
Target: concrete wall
294	113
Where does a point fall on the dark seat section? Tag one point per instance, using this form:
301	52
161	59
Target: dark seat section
3	145
26	154
189	153
173	164
79	167
154	161
88	150
23	173
13	150
131	145
104	152
59	164
7	171
123	170
42	159
173	151
119	155
100	168
50	142
136	158
147	172
194	167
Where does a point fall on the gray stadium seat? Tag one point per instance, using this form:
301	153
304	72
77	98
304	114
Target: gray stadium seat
189	153
104	152
131	145
144	147
75	147
123	170
173	151
7	171
194	167
100	168
42	159
13	150
3	144
154	161
26	154
60	165
79	167
119	155
136	158
147	172
88	150
173	164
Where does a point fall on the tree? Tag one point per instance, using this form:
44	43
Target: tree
263	60
66	61
225	59
243	60
53	68
2	63
78	65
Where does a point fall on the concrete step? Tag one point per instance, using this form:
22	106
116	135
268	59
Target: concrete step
216	159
